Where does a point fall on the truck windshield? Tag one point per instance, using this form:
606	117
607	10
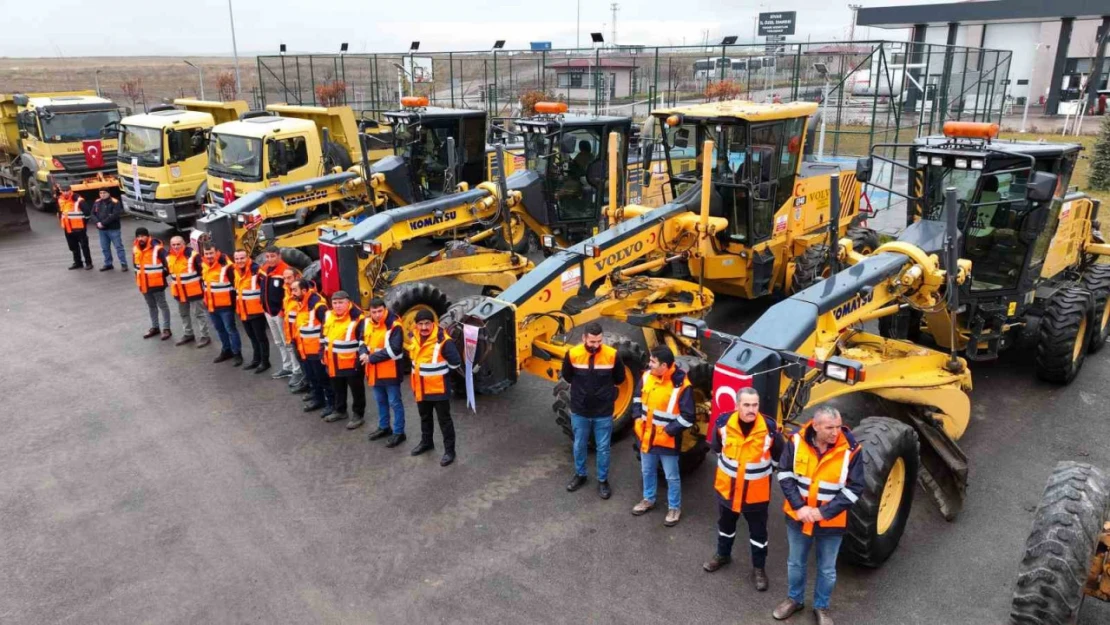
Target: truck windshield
76	126
234	157
141	144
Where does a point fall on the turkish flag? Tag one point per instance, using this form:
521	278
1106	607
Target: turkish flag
229	192
329	269
94	153
727	382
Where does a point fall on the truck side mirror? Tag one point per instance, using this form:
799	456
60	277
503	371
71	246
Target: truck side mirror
863	169
1033	223
20	99
1041	187
646	151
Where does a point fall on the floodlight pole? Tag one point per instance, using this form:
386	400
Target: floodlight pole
200	77
234	49
824	115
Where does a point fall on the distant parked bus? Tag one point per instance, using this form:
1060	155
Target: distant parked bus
729	68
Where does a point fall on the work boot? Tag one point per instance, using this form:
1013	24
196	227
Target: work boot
759	578
107	268
300	388
224	355
603	490
88	267
204	342
282	373
335	416
823	616
253	365
355	422
183	340
151	332
236	360
166	334
395	440
262	368
642	508
576	482
674	515
421	448
123	269
75	266
379	434
714	564
307	397
786	609
447	459
296	379
312	405
328	411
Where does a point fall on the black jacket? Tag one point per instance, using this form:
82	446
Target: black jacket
593	392
107	213
273	290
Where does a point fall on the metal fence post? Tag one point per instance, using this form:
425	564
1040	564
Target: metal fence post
312	79
451	75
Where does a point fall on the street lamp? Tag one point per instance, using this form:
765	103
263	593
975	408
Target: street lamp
96	79
401	73
200	77
823	71
234	48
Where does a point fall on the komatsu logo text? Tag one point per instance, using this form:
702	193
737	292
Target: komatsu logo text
853	305
431	220
618	256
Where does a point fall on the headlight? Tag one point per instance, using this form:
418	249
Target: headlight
961	163
937	161
977	164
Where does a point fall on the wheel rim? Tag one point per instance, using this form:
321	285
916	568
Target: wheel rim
891	501
35	193
1080	340
408	320
518	230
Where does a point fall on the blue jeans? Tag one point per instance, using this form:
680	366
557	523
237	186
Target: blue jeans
224	323
602	427
390	397
827	548
109	238
649	464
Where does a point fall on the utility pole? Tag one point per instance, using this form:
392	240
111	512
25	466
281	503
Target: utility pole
614	7
578	27
852	28
234	49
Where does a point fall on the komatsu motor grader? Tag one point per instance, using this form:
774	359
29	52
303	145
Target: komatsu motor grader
812	348
1038	281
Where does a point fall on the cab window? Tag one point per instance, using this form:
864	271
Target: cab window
576	185
296	152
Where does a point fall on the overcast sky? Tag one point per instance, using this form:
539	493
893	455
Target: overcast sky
129	27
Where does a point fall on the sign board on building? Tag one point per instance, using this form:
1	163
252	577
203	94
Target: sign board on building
778	23
540	45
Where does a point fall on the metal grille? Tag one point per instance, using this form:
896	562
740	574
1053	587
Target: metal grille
76	162
146	187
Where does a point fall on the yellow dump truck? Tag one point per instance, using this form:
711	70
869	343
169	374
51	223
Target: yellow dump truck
57	139
163	159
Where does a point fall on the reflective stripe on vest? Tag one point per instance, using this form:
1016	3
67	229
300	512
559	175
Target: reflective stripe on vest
653	419
149	271
341	351
754	451
219	289
185	283
808	467
308	331
376	338
250	299
429	375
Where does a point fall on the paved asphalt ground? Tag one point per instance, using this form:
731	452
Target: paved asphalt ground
143	484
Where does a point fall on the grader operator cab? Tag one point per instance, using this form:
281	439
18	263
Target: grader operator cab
1035	247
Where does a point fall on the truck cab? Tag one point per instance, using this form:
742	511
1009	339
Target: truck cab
57	139
163	159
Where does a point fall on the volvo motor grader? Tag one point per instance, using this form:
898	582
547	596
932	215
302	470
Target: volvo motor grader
1038	281
812	347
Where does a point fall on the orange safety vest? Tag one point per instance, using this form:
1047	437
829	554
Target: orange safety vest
308	328
376	336
249	301
341	350
753	453
184	279
289	308
150	273
821	478
218	290
429	368
70	215
659	405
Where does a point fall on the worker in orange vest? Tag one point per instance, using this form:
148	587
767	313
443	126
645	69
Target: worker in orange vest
312	312
183	264
73	217
748	446
341	335
248	303
821	477
149	256
217	278
433	354
383	353
288	330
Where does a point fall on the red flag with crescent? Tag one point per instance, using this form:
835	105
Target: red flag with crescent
329	270
94	153
229	192
727	382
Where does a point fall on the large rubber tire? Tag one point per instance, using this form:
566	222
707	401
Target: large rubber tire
36	197
634	359
810	267
1058	551
891	459
336	156
292	256
1063	335
522	238
912	321
1096	279
312	273
864	240
407	299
